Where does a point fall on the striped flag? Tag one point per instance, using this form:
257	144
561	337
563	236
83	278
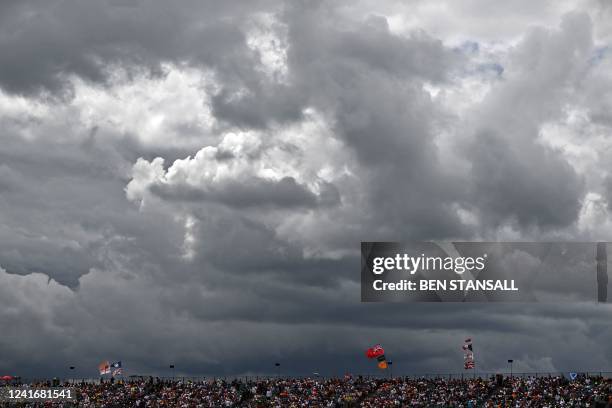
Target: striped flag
468	355
117	369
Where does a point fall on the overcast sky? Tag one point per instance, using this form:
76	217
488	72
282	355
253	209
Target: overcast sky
189	183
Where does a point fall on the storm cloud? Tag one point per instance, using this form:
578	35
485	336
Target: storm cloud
190	184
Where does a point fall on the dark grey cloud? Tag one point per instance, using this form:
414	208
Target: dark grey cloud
261	106
285	192
46	42
528	186
131	231
516	177
370	81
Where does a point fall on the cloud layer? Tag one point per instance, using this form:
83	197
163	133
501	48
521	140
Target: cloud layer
190	184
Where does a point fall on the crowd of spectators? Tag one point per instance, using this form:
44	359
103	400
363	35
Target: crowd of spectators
548	391
506	392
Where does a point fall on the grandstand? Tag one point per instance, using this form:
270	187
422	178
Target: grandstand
521	390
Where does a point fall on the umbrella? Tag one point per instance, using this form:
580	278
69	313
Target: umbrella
6	378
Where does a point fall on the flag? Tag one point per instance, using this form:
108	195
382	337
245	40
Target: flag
378	349
382	362
468	355
116	365
379	353
104	368
375	351
117	371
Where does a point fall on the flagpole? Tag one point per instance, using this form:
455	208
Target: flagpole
71	368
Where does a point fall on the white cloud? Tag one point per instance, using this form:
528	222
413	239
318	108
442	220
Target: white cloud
172	110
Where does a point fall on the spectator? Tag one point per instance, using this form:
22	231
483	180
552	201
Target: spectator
554	391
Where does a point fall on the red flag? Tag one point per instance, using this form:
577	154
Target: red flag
104	368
